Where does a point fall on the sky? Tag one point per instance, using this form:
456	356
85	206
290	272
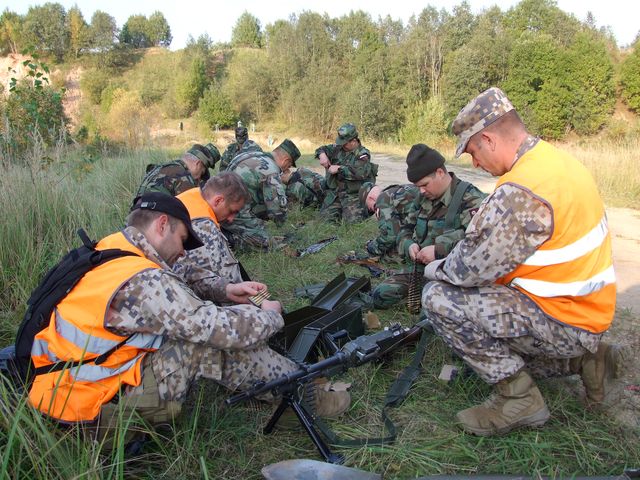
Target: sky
217	18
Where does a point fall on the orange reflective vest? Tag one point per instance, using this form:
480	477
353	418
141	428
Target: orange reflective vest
77	332
570	277
197	205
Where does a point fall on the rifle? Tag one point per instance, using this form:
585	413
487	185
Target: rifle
354	353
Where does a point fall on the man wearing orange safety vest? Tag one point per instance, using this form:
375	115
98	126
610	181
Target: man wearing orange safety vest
164	336
211	267
532	283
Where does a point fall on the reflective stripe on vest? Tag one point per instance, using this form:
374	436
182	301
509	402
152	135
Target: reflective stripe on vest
570	276
76	332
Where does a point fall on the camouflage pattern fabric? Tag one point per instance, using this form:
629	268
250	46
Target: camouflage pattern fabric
236	148
200	339
392	208
341	199
171	178
209	269
306	187
502	327
426	226
247	232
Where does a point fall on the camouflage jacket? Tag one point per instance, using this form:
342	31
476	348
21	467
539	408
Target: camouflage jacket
209	269
394	205
306	186
426	225
158	302
234	149
261	175
355	168
172	178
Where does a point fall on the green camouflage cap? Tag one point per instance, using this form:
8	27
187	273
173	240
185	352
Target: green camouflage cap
242	134
346	133
207	155
290	147
363	193
479	113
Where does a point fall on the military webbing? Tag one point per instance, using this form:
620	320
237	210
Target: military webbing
395	396
454	206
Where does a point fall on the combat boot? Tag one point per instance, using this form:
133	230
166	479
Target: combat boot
598	370
516	403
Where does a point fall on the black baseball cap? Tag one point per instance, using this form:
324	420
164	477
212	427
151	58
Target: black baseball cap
161	202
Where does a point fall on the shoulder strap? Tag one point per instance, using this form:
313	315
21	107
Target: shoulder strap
456	202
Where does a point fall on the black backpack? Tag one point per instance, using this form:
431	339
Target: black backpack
53	288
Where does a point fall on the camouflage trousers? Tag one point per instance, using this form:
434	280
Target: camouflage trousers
169	372
247	232
498	330
306	187
342	206
395	288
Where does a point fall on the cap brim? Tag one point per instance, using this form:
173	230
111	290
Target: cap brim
462	145
193	241
340	141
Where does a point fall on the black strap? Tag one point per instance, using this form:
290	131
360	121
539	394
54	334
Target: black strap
243	273
454	206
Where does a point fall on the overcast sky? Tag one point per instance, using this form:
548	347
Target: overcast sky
217	18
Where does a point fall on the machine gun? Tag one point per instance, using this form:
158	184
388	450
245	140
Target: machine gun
357	352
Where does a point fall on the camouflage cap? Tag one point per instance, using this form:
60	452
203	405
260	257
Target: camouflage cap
479	113
290	147
363	193
215	153
346	133
242	134
205	154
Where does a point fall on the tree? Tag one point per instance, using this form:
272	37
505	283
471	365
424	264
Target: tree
246	32
215	109
45	29
134	32
103	30
630	79
158	30
78	31
10	32
191	90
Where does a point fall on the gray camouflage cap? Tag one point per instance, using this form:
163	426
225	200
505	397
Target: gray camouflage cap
478	114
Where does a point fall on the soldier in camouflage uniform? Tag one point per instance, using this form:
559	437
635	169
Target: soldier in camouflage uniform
527	251
431	230
193	338
392	207
348	165
210	268
241	145
180	175
305	187
261	173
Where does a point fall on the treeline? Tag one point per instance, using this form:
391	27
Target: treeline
53	31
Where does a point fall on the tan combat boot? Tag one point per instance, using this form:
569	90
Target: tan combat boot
517	403
598	370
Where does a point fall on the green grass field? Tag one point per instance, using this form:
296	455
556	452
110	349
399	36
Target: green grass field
42	210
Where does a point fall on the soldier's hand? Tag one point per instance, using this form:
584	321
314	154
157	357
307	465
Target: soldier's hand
333	169
427	254
413	251
324	160
271	305
240	292
285	176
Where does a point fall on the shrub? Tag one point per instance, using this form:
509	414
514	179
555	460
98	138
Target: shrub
215	109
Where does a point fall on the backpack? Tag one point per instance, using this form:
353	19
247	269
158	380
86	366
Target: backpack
53	288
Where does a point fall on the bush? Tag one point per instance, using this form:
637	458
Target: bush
128	121
425	123
215	109
93	83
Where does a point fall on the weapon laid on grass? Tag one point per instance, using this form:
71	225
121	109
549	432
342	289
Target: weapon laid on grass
370	263
316	247
357	352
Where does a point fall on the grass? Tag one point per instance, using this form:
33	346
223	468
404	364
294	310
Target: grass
40	215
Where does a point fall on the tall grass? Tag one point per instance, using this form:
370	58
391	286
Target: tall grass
40	215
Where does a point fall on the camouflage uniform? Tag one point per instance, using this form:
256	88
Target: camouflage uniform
392	209
494	328
426	226
172	178
237	148
199	339
306	187
261	175
209	269
341	198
